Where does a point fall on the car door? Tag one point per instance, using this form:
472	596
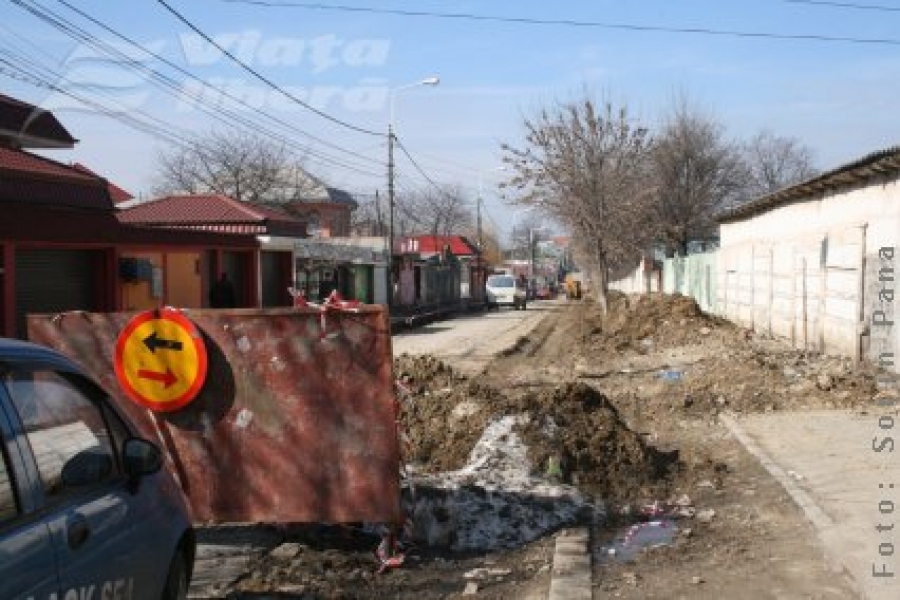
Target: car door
85	495
27	561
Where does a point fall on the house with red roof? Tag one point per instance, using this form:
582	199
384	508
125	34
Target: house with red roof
439	270
272	228
63	248
116	194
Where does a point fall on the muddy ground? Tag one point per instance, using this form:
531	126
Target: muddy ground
608	422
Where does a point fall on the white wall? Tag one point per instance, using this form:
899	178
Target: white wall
810	271
642	280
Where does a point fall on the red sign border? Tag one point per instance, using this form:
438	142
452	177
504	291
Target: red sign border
165	314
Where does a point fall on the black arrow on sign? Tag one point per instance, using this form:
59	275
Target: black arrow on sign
153	342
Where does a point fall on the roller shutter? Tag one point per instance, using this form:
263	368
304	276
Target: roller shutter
52	281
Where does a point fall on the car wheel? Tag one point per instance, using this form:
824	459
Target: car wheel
177	579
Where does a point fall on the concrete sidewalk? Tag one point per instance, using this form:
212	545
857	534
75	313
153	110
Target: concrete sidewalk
827	461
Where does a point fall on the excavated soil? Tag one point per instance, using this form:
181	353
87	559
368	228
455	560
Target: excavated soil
569	427
618	412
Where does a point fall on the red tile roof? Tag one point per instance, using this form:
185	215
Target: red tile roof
212	212
26	177
115	192
25	162
434	244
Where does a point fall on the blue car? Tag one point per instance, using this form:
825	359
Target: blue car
86	509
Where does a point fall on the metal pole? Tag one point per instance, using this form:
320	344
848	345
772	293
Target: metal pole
531	252
478	219
390	253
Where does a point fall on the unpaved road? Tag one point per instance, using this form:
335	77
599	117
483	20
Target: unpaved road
736	534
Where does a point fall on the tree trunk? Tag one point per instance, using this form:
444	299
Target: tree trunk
602	280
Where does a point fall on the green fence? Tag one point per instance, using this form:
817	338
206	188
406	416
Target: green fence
693	275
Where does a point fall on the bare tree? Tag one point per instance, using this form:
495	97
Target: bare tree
696	172
437	211
370	216
586	168
774	162
524	234
243	167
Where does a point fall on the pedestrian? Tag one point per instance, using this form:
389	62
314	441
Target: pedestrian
221	294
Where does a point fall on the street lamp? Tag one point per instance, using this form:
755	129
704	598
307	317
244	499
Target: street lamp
391	94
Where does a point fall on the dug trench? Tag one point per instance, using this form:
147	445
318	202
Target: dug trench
602	421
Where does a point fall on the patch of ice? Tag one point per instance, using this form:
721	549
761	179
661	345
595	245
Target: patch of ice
494	501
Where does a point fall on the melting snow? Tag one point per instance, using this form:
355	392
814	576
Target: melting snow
494	501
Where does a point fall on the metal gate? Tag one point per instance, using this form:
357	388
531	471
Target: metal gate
54	281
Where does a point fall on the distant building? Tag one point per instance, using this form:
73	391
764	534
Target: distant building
63	248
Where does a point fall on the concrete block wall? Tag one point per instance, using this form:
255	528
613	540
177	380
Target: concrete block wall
644	279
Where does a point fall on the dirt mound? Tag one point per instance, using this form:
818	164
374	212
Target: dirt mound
572	432
578	430
647	322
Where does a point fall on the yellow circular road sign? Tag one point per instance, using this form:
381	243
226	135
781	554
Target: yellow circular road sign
161	360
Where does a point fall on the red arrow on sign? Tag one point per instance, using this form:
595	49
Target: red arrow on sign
167	378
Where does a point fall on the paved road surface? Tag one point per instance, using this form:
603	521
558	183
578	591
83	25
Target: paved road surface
470	341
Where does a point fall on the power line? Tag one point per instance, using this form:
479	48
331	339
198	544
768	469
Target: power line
264	79
14	70
850	5
567	22
169	85
418	168
206	84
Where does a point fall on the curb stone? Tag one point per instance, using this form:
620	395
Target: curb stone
571	573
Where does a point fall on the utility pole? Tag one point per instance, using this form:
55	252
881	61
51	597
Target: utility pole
390	268
478	221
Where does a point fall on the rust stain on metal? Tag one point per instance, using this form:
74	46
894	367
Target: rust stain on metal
296	421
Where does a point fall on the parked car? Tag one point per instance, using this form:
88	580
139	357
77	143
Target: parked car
86	509
505	290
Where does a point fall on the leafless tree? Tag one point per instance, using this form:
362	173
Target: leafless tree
529	229
437	211
370	216
585	167
246	168
774	162
696	173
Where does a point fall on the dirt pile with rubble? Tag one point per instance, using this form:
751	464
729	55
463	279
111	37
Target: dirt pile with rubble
572	432
665	356
590	405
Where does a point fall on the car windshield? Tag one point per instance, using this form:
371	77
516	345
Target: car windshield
501	281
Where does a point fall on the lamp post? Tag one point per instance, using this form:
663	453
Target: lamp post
392	93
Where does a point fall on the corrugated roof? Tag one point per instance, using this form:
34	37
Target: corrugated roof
884	163
212	212
30	126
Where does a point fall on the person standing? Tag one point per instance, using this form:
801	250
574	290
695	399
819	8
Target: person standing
221	294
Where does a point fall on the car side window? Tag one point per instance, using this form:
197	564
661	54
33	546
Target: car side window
66	430
9	509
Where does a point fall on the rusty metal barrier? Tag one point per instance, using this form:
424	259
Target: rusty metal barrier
296	421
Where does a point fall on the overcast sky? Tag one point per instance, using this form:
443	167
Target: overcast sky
826	73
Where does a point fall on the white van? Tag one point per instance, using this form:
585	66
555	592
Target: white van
503	290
